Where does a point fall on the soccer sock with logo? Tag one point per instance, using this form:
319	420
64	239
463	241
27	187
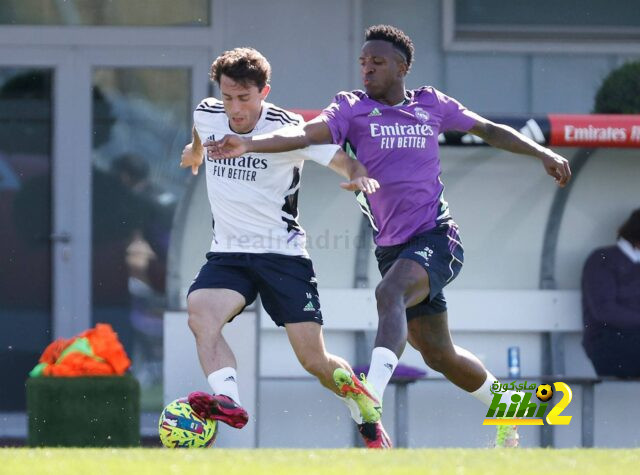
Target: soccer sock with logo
383	363
484	394
225	381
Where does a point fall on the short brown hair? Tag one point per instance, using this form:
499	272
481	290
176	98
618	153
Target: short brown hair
243	65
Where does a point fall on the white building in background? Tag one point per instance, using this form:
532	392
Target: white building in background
119	77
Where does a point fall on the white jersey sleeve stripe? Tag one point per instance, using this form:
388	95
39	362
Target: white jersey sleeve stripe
292	190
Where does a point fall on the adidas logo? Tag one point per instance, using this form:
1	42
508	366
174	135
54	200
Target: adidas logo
309	307
424	254
230	378
374	113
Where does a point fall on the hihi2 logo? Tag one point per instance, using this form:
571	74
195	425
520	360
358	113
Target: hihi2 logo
520	410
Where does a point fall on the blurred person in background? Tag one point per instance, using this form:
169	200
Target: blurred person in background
147	254
611	304
146	259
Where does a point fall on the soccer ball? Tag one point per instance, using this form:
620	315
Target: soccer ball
544	392
180	427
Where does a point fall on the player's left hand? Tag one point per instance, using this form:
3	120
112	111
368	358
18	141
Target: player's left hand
230	146
363	183
190	159
557	166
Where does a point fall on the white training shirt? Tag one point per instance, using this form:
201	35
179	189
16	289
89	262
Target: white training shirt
254	198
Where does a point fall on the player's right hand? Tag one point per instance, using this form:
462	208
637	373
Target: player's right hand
191	159
557	166
363	183
230	146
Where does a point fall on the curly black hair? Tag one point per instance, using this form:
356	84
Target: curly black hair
393	35
243	65
630	230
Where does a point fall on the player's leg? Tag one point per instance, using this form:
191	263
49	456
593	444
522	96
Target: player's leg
219	293
404	284
430	335
308	345
209	310
288	288
413	274
289	292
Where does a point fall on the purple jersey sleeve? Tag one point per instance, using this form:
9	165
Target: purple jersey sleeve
453	114
337	115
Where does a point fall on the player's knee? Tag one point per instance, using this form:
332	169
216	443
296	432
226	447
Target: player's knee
201	325
204	322
388	294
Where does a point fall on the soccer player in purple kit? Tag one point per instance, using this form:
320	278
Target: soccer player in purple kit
394	133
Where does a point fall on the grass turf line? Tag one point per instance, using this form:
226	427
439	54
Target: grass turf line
17	461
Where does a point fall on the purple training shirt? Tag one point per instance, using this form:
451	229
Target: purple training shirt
399	147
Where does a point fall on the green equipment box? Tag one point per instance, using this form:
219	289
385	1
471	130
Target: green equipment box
100	411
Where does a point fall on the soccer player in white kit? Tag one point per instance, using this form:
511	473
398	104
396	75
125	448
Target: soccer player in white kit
258	245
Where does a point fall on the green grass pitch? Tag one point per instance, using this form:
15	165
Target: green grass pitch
310	462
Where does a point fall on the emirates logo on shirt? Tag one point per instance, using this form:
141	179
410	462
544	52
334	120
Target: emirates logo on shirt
400	130
399	135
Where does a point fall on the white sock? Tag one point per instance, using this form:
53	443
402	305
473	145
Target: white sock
225	381
383	363
484	394
353	408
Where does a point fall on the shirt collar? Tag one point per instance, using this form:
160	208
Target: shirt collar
405	101
628	250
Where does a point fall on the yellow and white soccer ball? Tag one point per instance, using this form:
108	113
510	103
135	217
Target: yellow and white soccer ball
180	427
544	392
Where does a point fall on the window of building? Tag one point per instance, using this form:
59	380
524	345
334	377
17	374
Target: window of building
141	122
25	225
105	13
540	23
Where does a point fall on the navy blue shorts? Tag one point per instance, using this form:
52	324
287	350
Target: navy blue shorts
286	284
439	251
